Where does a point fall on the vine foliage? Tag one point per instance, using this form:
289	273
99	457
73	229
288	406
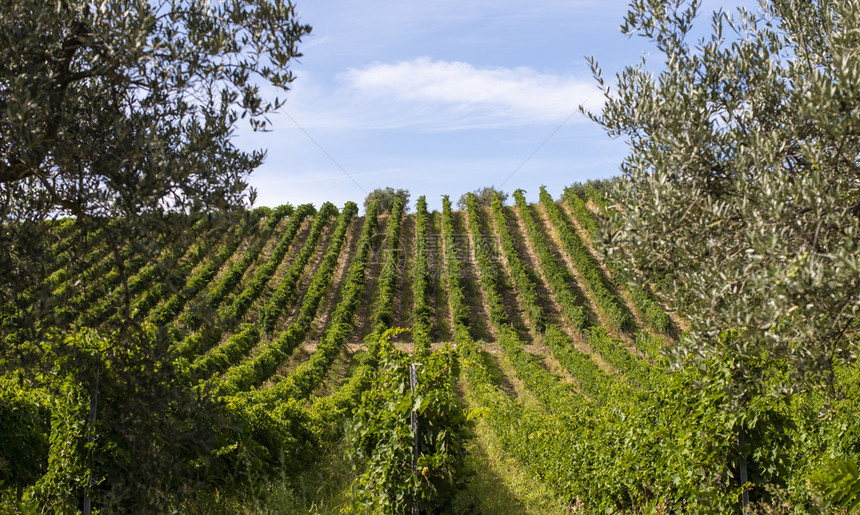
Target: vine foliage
382	440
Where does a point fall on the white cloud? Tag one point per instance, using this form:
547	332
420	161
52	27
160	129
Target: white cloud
426	94
454	95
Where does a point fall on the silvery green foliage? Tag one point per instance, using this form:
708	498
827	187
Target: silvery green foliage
742	197
386	198
121	114
123	110
116	105
483	196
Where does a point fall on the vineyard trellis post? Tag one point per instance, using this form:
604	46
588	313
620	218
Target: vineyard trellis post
94	401
413	383
742	465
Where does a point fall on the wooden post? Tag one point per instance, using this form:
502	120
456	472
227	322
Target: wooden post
413	383
743	470
94	402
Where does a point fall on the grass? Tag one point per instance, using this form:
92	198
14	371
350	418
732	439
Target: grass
499	485
495	484
322	489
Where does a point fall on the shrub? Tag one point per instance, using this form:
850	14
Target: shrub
385	198
483	197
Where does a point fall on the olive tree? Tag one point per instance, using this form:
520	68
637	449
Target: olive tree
121	114
483	196
742	190
385	198
740	200
125	110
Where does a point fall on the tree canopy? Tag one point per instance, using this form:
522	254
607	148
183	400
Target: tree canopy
742	190
125	111
136	100
118	118
483	196
385	198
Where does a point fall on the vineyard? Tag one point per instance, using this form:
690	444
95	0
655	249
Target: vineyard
539	355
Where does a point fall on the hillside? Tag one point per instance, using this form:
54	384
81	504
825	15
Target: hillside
281	317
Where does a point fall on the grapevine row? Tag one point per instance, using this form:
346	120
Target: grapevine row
78	290
145	276
383	315
421	311
62	258
100	281
642	299
231	314
592	380
170	309
287	289
523	279
453	271
570	413
489	270
581	450
265	272
224	286
587	266
558	276
328	412
546	386
178	275
224	356
201	341
237	346
300	382
253	372
637	371
67	245
276	215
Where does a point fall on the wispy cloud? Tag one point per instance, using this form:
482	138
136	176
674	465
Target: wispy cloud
428	94
466	95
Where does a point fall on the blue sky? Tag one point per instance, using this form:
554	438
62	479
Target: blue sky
444	97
